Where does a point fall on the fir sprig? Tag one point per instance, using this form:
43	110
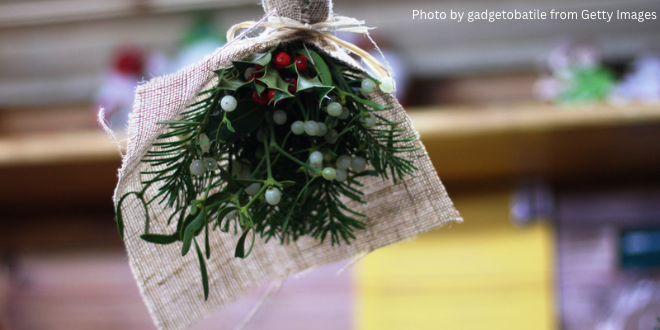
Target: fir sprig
235	168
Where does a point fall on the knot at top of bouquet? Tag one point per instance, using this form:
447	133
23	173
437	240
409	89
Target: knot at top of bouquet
303	11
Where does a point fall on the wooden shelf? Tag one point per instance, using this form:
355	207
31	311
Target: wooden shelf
467	144
509	141
57	148
456	121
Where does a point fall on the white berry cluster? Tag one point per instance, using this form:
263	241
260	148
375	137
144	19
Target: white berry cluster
338	170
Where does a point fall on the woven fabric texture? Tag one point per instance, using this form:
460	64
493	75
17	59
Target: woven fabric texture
171	284
303	11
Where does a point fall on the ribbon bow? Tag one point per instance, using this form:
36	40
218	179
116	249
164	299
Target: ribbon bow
280	27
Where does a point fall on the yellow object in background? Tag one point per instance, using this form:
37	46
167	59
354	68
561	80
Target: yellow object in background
484	274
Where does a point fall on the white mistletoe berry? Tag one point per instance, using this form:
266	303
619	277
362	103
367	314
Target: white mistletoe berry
279	117
368	85
343	162
311	128
273	196
369	121
323	129
316	159
344	114
341	175
334	109
387	85
359	164
329	173
197	167
228	103
253	189
210	163
298	127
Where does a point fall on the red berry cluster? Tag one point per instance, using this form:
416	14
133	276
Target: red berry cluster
280	62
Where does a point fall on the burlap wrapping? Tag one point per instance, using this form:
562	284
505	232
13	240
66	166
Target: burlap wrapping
171	284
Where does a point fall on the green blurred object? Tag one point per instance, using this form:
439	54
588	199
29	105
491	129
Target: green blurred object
202	29
588	84
201	39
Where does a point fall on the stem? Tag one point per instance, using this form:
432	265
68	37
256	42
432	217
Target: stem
208	187
286	154
267	153
254	198
288	216
302	108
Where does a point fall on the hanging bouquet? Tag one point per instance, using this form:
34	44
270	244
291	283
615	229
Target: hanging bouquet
278	147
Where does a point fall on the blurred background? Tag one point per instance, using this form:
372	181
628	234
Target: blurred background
545	133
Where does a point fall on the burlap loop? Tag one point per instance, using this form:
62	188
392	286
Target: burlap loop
303	11
170	284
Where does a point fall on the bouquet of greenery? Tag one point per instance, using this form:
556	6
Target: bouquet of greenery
278	147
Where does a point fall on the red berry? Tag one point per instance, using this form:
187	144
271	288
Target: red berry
282	60
252	76
302	64
130	61
293	83
258	67
260	99
271	94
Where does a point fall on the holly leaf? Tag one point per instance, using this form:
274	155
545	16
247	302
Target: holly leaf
273	80
259	58
249	62
315	85
232	84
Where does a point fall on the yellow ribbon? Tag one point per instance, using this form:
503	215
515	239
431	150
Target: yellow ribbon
282	27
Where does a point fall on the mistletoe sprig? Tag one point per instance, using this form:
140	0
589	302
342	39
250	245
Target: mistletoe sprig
275	148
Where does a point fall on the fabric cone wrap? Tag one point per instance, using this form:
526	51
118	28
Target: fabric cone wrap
390	209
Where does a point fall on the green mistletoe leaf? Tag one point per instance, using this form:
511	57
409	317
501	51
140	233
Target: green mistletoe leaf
319	64
190	231
240	246
160	239
202	269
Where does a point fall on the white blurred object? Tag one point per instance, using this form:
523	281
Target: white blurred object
642	84
571	55
118	88
548	88
633	303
